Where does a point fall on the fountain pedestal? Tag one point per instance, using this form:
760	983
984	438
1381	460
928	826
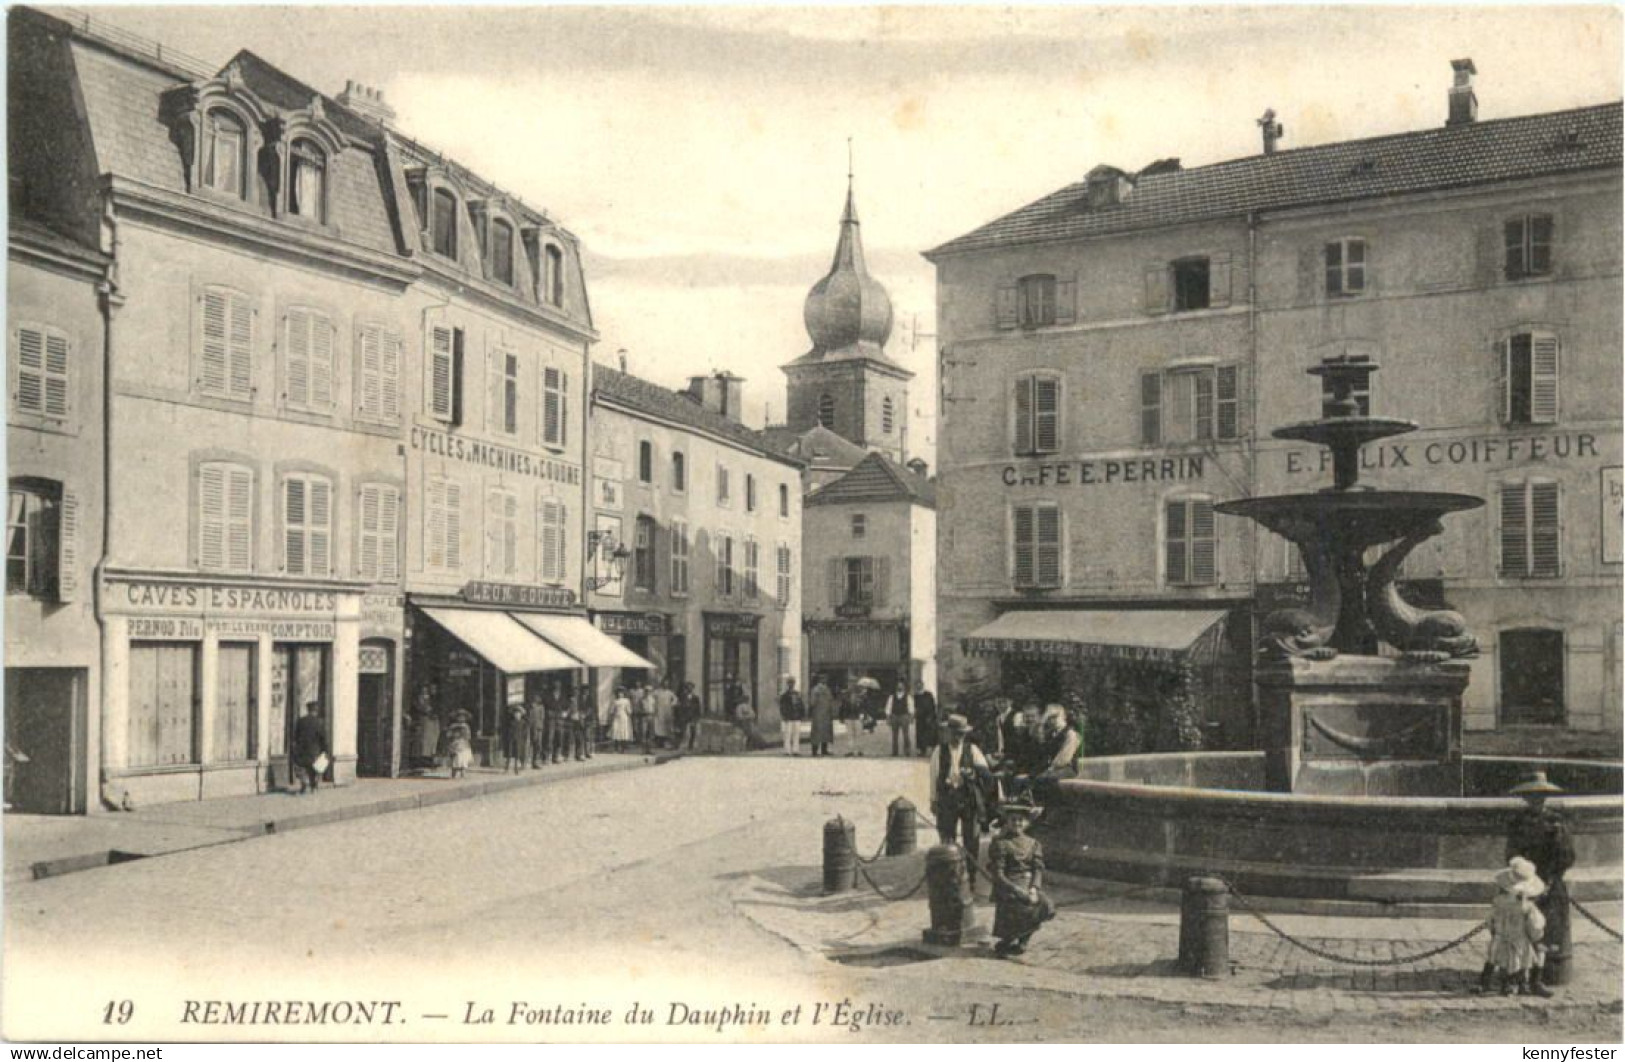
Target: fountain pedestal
1362	726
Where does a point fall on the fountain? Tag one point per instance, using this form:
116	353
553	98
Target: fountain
1337	717
1361	793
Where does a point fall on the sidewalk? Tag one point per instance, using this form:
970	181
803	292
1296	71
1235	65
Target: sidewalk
1109	941
46	845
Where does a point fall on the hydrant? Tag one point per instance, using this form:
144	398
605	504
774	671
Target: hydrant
899	827
840	856
1204	928
953	907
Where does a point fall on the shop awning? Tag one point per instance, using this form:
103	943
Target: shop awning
507	645
868	643
1148	636
582	640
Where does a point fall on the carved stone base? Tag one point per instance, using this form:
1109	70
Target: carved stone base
1362	726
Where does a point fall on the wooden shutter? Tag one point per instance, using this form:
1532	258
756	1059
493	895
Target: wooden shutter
1218	280
28	393
368	501
1175	543
320	526
440	369
1066	300
1543	378
837	582
1046	414
295	516
369	399
240	347
1545	547
1005	313
1202	400
1514	530
551	412
1204	546
1047	545
1156	288
1503	358
493	531
493	391
296	358
510	533
1023	411
389	370
882	590
57	397
434	523
454	524
564	407
1226	386
321	363
1021	533
67	546
213	359
239	518
212	516
1151	408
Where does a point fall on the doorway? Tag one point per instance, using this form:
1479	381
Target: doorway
375	710
45	723
1532	677
299	675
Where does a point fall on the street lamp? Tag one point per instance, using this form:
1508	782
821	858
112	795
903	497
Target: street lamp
615	555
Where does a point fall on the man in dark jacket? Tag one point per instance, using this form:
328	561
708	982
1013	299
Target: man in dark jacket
926	728
309	746
1541	835
792	711
960	778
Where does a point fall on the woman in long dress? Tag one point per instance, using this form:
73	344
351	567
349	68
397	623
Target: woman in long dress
620	720
1016	864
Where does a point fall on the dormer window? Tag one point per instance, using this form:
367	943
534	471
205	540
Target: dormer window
444	223
224	142
502	251
555	274
307	181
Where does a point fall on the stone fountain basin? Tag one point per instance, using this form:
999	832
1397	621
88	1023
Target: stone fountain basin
1158	819
1360	517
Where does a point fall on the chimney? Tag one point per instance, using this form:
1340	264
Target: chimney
1273	131
917	466
1107	186
367	102
721	392
1463	101
620	358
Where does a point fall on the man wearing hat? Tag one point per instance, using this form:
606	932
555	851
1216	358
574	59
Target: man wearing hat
959	776
1541	835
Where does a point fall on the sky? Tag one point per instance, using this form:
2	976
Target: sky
700	154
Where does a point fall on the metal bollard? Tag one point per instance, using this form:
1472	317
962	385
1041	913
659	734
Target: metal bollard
953	907
900	837
1204	928
840	856
1558	969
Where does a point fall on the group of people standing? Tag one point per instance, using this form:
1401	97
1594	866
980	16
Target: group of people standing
912	717
642	717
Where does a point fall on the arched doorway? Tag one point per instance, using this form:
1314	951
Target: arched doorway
375	710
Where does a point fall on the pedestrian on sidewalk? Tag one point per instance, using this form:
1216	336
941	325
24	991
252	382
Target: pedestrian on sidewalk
927	727
821	710
541	712
425	730
562	725
688	712
1517	930
852	714
960	777
311	753
792	711
620	720
665	714
1541	835
1015	863
460	743
515	738
900	717
643	717
587	722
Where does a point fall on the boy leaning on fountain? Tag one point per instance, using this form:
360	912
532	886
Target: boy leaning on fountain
1517	932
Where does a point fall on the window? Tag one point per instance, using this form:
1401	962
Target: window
555	407
446	374
378	533
1532	677
555	275
1190	284
1531	530
307	181
858	584
40	382
307	525
753	569
501	532
725	565
643	553
443	525
378	373
1188	542
1037	414
860	525
502	251
224	144
1189	405
886	416
679	472
679	557
444	224
307	361
553	538
1528	246
784	500
646	461
750	493
826	411
1035	546
724	497
1193	283
504	392
41	547
1345	267
1361	394
225	368
225	517
1529	370
1035	300
782	596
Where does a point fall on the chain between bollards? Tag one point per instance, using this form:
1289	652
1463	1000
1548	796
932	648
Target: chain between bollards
1589	917
1398	960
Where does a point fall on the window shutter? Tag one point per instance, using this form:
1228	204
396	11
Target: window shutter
493	532
1226	379
369	399
240	518
493	391
212	517
57	398
1046	414
296	358
510	534
321	527
837	582
454	524
214	359
434	524
367	533
67	546
1202	383
294	519
1151	408
1005	315
1503	358
1543	383
29	394
241	347
1156	288
459	371
1204	547
1024	415
1047	545
550	406
321	363
1218	280
1545	552
389	534
1334	268
564	407
1066	300
390	370
1175	543
1514	530
1021	529
882	590
440	373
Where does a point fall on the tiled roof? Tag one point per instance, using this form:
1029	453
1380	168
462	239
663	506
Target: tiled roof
662	402
817	446
26	229
1587	138
876	479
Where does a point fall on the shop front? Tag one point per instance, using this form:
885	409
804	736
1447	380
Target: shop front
844	651
648	636
378	684
206	679
731	660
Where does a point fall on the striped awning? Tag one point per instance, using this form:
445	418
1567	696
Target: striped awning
1162	636
857	643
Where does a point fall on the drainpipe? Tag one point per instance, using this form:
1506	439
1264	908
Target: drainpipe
1252	437
108	300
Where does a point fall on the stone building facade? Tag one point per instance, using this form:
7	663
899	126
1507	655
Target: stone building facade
1115	355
